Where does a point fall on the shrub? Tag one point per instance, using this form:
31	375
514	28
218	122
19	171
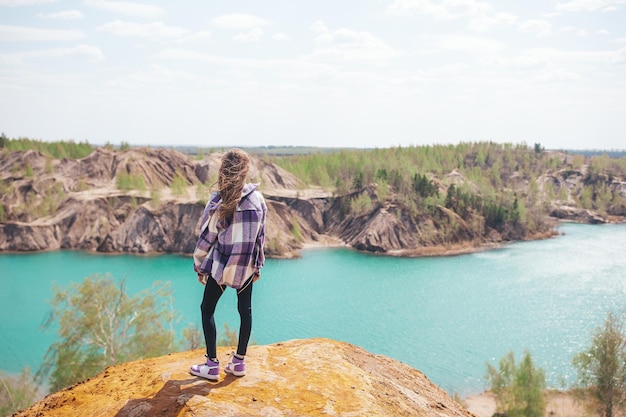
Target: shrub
16	392
127	182
295	230
519	389
178	185
360	204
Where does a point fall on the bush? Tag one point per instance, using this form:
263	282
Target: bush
16	392
295	230
519	390
179	185
361	204
127	182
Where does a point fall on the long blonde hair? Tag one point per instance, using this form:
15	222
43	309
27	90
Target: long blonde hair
232	177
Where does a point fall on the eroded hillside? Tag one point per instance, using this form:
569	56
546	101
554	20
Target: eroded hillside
148	200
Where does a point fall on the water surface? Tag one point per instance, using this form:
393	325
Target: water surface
445	316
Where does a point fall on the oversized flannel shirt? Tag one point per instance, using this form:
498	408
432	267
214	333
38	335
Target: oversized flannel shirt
231	250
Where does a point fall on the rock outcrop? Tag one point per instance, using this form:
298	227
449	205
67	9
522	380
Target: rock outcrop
578	215
313	377
50	204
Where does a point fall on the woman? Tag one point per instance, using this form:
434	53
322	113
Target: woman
229	253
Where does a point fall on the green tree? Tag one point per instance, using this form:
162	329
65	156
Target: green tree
358	181
16	392
519	389
100	325
423	186
601	369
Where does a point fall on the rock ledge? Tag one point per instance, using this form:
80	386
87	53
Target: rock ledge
311	377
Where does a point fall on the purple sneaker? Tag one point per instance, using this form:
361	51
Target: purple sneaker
236	367
209	370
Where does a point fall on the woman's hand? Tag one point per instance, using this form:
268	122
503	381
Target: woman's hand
256	276
202	279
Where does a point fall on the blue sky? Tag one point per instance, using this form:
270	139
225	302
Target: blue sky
369	73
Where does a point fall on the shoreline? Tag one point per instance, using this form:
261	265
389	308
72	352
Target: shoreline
454	249
558	404
327	241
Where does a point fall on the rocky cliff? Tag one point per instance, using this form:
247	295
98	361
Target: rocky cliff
50	204
150	200
314	377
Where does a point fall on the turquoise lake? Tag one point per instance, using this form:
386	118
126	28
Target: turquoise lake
446	316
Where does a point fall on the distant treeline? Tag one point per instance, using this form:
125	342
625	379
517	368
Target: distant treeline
58	149
75	150
487	164
510	186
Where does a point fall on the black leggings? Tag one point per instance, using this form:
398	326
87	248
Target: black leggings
212	293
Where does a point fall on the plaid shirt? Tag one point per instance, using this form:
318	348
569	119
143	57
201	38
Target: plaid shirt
232	250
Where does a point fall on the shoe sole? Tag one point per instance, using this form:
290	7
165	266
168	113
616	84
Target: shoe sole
235	373
201	375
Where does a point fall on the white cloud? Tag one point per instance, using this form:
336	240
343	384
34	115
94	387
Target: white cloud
539	27
557	61
582	33
156	75
64	15
485	23
154	30
82	52
26	34
292	68
348	45
618	57
557	75
196	36
13	3
281	37
87	52
473	45
239	21
602	32
588	5
319	27
148	11
253	35
191	55
443	9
